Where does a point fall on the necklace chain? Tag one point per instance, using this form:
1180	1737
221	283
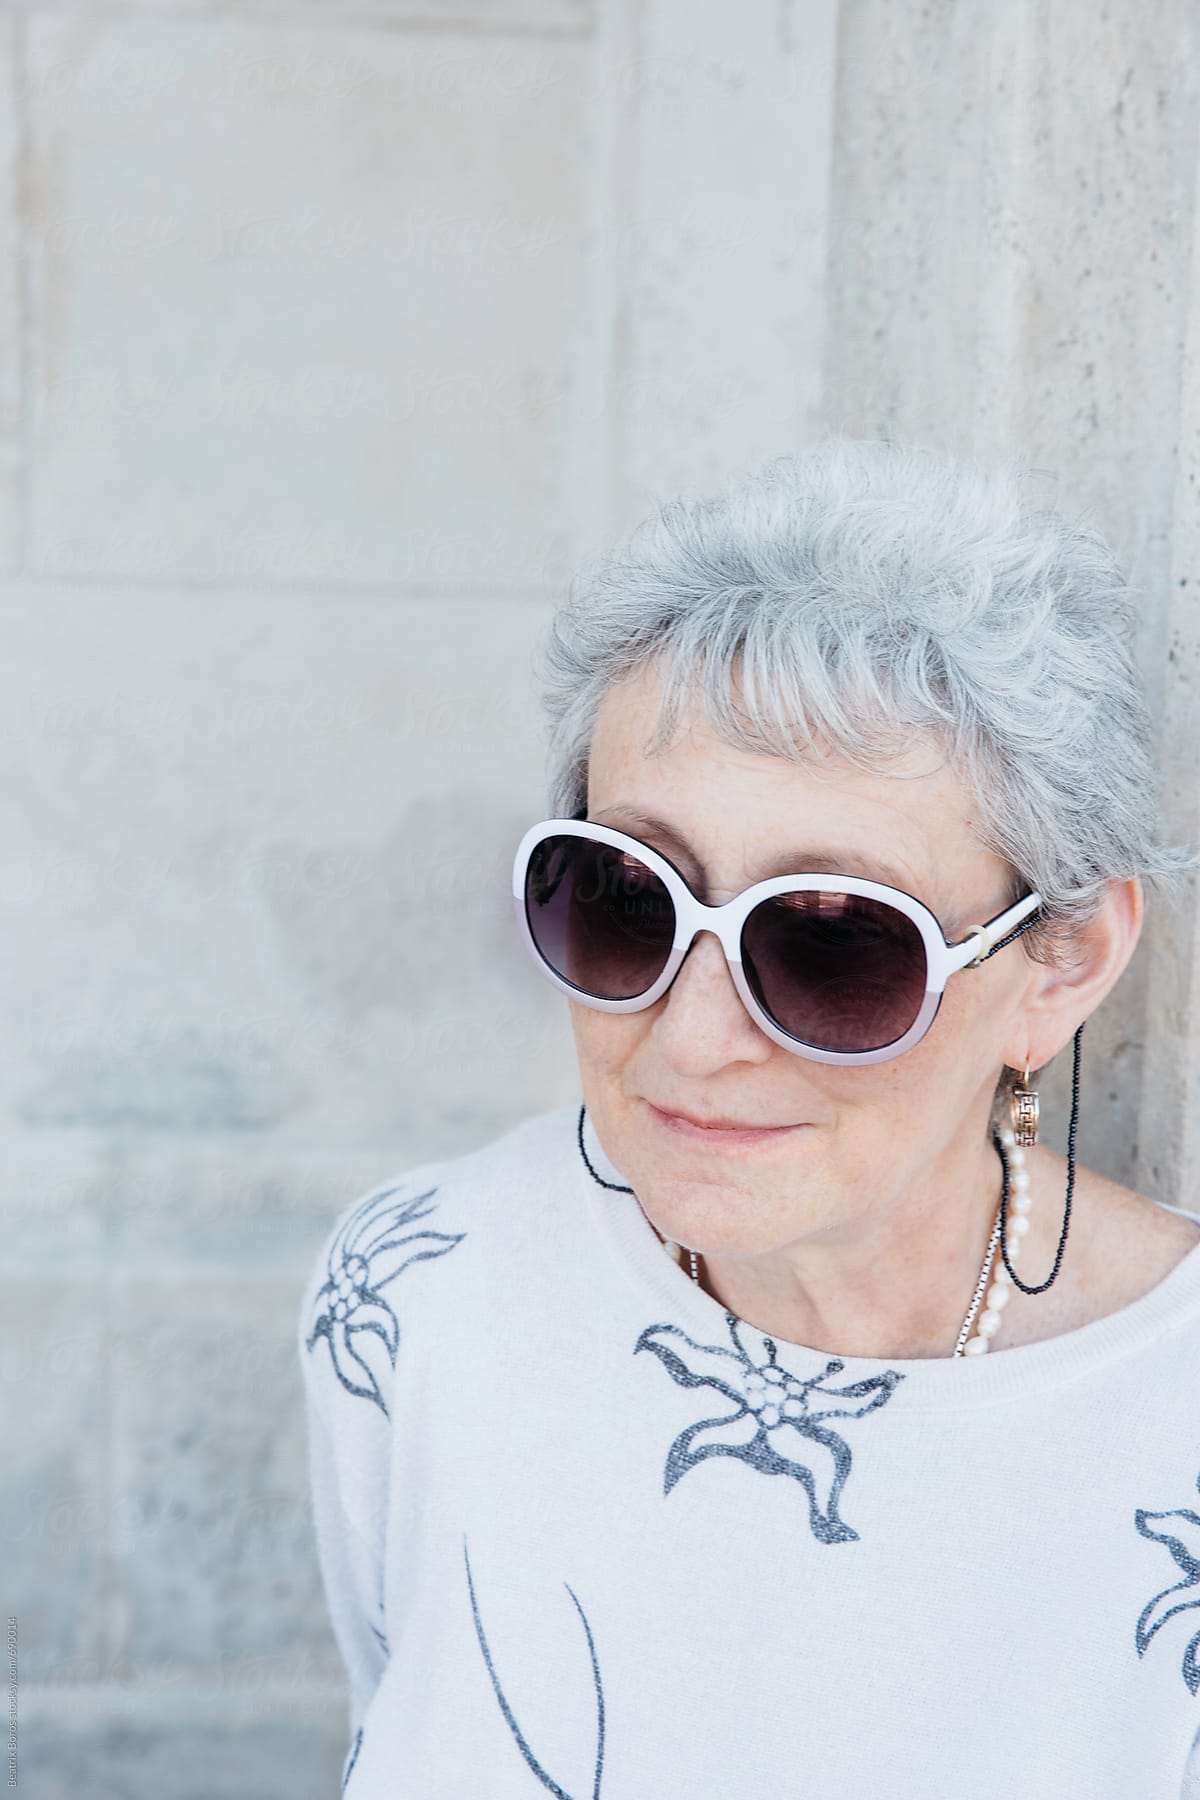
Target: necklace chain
1011	1155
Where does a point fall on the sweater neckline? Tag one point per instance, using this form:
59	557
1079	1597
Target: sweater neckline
931	1384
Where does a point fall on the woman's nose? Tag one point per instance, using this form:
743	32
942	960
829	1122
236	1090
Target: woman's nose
702	1006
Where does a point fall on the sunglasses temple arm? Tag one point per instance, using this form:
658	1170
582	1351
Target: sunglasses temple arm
1027	911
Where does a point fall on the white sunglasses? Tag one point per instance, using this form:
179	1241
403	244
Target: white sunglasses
833	967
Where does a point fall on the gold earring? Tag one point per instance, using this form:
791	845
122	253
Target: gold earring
1023	1107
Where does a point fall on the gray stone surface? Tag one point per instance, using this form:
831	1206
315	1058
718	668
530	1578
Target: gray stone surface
1169	1113
235	1739
278	896
257	260
54	1500
87	1203
1014	196
722	240
12	307
212	1534
500	17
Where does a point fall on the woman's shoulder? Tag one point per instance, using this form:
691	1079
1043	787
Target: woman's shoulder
502	1187
1138	1239
1120	1245
503	1156
430	1247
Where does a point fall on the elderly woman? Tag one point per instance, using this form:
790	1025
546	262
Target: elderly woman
786	1420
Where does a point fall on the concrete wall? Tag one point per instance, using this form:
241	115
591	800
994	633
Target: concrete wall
1014	189
332	333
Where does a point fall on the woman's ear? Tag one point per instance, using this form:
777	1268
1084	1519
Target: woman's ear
1093	959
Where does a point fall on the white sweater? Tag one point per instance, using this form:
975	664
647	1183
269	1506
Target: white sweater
582	1532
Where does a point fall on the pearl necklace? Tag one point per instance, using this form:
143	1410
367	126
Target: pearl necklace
1012	1155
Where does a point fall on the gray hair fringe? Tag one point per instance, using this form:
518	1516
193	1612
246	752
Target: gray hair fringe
856	592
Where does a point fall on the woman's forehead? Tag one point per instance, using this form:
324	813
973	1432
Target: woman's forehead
908	821
724	835
776	806
629	716
761	861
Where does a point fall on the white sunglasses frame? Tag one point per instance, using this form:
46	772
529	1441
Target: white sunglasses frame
942	958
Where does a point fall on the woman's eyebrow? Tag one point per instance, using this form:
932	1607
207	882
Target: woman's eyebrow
832	862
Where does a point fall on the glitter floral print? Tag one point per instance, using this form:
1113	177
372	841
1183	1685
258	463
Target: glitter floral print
353	1313
1183	1542
770	1409
352	1757
510	1719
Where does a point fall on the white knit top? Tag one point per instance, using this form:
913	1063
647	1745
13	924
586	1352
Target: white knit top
584	1533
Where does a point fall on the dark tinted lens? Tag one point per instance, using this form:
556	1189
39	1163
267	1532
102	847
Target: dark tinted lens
600	918
838	971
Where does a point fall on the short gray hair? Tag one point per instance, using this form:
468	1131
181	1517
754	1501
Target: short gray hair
858	591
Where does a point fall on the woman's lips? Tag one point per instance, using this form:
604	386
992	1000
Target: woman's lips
718	1137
